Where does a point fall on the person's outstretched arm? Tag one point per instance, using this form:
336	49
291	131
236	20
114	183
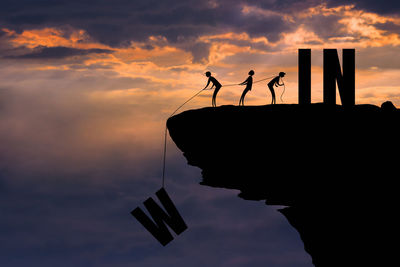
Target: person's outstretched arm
245	82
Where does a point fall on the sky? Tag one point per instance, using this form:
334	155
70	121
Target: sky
86	87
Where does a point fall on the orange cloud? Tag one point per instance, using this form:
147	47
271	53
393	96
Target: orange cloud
234	37
140	58
359	27
300	37
53	37
249	10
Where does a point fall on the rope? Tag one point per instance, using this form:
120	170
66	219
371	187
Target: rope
233	84
264	79
164	156
165	135
185	103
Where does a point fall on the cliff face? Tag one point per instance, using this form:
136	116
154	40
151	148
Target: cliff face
334	168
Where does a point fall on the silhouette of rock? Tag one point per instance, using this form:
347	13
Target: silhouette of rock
333	167
388	106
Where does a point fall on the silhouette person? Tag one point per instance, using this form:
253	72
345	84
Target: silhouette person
249	83
275	81
217	86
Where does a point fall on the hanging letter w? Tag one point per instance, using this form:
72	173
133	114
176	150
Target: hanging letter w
171	217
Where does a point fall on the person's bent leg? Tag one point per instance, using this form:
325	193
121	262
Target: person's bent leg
244	95
215	96
272	94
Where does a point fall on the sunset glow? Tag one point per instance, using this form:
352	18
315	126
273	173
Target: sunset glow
87	86
177	66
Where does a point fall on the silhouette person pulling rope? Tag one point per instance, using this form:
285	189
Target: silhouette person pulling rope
249	83
217	86
275	81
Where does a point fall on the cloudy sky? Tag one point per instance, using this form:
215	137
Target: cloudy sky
86	87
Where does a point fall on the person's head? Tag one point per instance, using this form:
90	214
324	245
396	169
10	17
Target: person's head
251	72
208	74
282	74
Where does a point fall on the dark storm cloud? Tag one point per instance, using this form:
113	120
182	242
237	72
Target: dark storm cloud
381	7
124	20
200	52
60	52
326	26
285	5
121	21
180	22
2	33
113	24
389	27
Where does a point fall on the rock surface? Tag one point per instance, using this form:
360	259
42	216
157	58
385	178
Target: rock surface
334	168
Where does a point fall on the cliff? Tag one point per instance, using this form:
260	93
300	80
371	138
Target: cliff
334	168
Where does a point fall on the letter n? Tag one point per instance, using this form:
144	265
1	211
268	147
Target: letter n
172	218
333	74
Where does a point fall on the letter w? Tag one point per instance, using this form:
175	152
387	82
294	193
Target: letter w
172	218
